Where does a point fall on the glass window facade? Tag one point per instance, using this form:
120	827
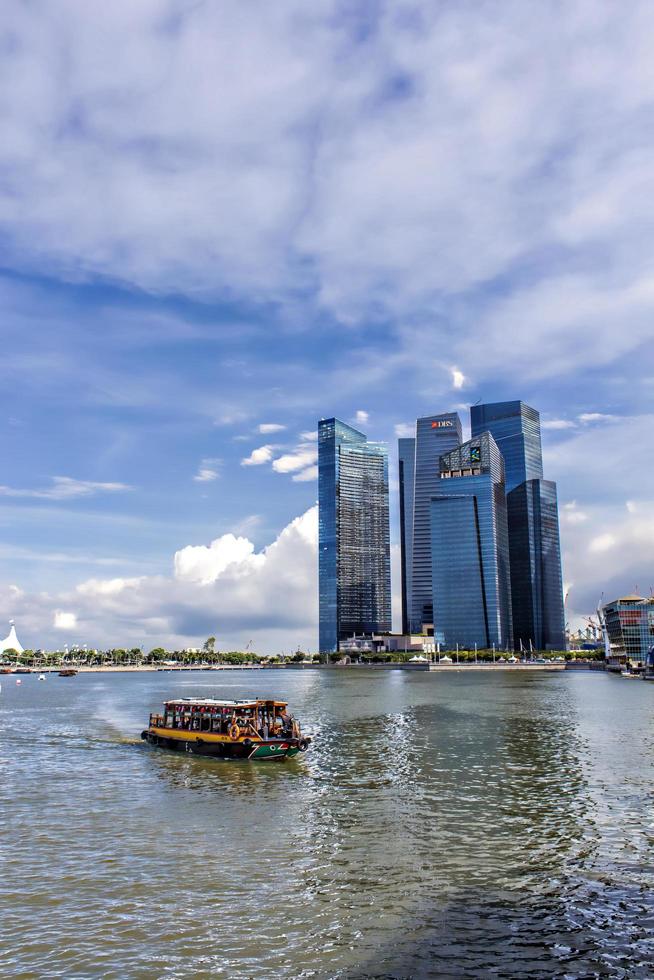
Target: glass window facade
354	537
470	548
435	435
536	580
630	627
407	470
516	430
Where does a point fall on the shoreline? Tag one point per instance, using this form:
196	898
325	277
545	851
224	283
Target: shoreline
424	668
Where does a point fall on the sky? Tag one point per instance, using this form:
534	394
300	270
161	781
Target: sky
220	222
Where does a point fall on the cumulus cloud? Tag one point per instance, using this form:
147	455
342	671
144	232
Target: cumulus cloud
64	620
405	430
311	473
267	427
226	588
299	459
205	564
458	378
361	417
65	488
259	456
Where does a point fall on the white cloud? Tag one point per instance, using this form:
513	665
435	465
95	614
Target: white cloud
65	488
361	417
267	427
207	471
458	378
259	456
204	565
405	430
557	424
301	458
603	542
64	620
108	586
227	589
588	417
570	514
309	436
304	476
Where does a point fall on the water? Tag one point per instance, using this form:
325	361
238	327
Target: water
442	825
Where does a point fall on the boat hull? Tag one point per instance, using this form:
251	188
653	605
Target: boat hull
223	747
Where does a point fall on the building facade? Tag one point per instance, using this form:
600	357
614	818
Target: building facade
353	535
407	474
629	623
435	436
516	430
534	541
470	548
536	578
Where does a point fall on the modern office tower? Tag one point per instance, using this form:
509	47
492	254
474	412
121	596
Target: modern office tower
353	538
435	435
536	579
407	468
470	548
516	430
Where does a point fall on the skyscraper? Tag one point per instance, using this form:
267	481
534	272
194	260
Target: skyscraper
536	580
407	471
534	544
516	430
435	435
470	548
354	539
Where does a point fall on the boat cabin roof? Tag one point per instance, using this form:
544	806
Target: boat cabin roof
213	702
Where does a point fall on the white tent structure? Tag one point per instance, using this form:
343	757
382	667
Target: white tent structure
11	642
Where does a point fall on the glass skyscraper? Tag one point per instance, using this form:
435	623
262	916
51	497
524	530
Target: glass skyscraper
407	472
516	430
353	535
536	580
435	435
535	548
470	548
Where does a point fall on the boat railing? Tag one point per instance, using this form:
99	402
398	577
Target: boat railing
156	721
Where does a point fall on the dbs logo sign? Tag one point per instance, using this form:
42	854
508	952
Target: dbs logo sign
442	424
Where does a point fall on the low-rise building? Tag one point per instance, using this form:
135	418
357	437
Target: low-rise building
629	624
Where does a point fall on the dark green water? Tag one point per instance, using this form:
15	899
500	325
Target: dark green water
451	825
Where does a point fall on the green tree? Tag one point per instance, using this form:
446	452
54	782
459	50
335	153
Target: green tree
209	644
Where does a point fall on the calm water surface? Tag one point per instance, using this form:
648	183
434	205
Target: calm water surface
451	825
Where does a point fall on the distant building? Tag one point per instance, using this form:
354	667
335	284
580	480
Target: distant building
10	641
470	548
629	623
407	473
535	548
536	578
435	435
354	537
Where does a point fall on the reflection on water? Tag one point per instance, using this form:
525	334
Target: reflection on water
453	825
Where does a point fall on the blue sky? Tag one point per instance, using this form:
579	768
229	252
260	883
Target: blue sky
220	222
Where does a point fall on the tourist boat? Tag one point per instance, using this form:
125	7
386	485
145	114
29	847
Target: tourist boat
258	729
68	672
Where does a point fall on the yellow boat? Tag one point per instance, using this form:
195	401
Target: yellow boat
259	729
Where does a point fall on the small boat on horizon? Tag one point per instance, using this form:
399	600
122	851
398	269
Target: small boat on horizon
68	672
259	729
